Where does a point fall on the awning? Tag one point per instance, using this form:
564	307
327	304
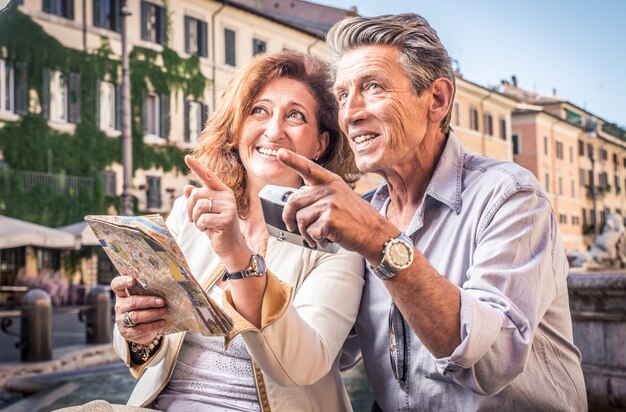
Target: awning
17	233
82	232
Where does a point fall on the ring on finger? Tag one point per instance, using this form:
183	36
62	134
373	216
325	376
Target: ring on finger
127	321
210	204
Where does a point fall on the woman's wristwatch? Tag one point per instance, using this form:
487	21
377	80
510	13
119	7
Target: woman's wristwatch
256	267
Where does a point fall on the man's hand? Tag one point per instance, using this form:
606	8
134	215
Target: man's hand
328	209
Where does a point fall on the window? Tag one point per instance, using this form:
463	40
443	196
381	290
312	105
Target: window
604	180
547	182
109	183
7	87
605	155
545	145
196	37
560	185
615	161
572	187
571	154
562	219
108	101
503	128
584	216
590	180
559	150
229	48
473	118
258	46
153	23
516	148
153	192
195	117
63	8
590	150
618	189
156	114
581	176
581	148
624	162
48	259
488	119
61	96
106	14
575	221
457	114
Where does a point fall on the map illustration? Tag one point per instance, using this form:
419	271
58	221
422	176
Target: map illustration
142	247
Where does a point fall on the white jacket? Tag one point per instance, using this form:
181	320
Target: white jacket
310	303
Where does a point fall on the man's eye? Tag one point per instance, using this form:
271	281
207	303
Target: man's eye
373	86
342	96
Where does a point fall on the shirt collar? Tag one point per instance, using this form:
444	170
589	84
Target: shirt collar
445	185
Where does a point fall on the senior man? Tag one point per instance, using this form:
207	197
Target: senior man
465	305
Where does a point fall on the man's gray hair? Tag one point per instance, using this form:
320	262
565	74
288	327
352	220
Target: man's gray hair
422	56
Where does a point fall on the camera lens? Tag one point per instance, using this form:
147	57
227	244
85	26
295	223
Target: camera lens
286	196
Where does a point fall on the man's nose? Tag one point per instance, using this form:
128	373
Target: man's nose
353	109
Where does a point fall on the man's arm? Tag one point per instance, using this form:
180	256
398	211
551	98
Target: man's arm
329	210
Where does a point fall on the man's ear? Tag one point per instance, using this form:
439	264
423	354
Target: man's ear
322	144
442	91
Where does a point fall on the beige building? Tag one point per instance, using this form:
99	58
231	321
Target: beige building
224	36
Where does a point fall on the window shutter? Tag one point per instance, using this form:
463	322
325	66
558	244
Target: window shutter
204	115
203	38
97	105
45	94
47	6
20	85
164	105
118	107
145	34
73	100
70	9
187	136
116	15
144	112
162	25
187	43
98	19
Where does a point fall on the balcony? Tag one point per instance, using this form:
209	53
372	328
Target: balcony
60	184
614	130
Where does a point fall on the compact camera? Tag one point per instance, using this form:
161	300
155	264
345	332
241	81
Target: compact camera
273	199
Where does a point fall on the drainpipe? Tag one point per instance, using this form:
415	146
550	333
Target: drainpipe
213	69
85	25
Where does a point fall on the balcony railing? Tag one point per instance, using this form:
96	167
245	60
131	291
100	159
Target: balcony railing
61	184
614	130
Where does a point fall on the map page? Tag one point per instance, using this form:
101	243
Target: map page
143	247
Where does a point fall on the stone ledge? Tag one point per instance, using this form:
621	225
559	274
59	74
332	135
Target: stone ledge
64	359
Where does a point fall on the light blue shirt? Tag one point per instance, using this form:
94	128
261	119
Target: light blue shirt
488	227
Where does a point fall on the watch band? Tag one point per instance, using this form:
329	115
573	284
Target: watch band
256	267
389	267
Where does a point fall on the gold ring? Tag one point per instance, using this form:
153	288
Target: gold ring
210	204
127	321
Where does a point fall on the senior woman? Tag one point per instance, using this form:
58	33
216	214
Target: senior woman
293	307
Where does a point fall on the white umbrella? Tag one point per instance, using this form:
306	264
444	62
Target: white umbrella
82	232
17	233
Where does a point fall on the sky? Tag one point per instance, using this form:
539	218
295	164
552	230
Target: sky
577	47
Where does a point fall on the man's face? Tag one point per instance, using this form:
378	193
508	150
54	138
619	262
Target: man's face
379	112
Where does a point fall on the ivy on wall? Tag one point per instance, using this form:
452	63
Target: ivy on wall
29	144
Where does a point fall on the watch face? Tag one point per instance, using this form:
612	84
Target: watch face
399	254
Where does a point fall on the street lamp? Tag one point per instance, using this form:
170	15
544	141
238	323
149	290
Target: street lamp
126	200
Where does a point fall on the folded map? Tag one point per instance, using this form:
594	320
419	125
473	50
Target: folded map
142	247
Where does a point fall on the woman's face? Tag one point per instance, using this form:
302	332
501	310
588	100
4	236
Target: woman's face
283	114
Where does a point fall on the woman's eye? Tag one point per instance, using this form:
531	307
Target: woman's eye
258	110
296	115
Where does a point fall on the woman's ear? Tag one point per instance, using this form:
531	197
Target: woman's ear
322	145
